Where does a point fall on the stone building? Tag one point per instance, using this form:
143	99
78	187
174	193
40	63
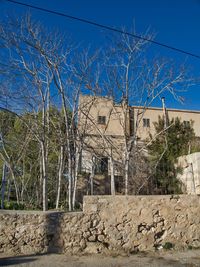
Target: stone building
102	127
106	126
151	115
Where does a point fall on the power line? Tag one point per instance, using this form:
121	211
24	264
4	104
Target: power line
105	27
9	111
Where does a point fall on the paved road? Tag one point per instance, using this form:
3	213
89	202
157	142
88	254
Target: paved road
167	259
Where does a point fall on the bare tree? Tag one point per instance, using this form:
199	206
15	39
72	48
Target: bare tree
135	80
48	68
31	53
44	70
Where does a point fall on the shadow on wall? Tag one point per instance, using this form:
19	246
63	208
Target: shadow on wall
52	230
30	233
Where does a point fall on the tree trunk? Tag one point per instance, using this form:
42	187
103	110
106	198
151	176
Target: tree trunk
44	178
9	190
40	181
3	185
75	178
126	172
92	177
70	188
60	172
112	176
15	184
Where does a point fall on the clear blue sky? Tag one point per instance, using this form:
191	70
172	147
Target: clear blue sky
175	22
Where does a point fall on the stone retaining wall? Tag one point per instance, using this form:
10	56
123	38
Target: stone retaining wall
107	224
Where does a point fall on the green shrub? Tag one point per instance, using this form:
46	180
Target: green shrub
13	205
168	245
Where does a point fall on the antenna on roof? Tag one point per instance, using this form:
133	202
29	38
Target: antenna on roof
164	113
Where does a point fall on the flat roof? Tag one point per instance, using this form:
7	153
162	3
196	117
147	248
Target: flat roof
169	109
107	98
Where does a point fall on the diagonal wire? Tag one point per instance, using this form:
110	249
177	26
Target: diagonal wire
105	27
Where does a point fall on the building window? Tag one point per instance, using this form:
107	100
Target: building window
146	122
186	123
101	119
101	165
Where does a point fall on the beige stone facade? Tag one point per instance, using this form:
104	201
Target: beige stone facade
103	126
153	113
106	125
93	110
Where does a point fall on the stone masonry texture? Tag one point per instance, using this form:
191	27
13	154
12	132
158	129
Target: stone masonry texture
108	224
